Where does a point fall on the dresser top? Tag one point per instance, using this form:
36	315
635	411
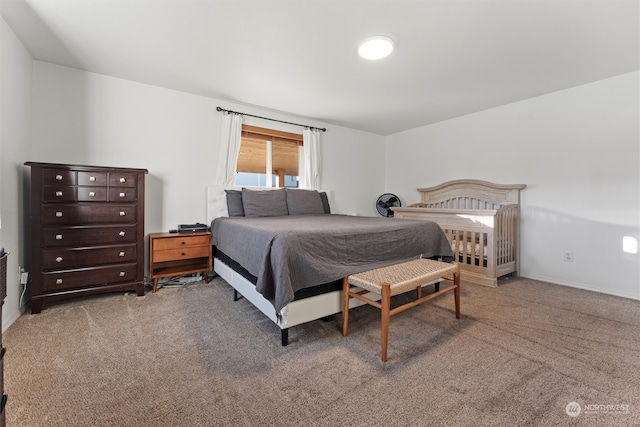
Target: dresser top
83	167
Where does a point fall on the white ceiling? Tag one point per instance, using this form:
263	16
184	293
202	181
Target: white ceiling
452	57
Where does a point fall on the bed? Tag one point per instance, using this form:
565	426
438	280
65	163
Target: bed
481	222
289	262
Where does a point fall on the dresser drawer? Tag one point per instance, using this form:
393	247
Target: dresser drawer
122	194
58	177
187	252
122	179
86	277
92	194
98	179
88	236
180	242
88	214
62	258
59	194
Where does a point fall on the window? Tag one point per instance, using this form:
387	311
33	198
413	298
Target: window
268	158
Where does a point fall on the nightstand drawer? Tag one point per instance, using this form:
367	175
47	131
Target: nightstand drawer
188	252
180	242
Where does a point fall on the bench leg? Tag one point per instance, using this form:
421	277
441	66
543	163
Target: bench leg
345	306
456	291
385	302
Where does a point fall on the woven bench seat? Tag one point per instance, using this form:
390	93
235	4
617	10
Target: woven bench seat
396	279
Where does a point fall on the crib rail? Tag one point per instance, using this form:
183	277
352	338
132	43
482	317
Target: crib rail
461	203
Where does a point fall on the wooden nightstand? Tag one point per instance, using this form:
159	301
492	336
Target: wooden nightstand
175	254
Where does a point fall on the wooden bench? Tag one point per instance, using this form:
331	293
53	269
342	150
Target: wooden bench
394	280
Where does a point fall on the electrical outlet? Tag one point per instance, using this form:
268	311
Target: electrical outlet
24	277
568	256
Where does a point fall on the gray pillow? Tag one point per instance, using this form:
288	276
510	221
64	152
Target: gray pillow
264	202
234	203
304	202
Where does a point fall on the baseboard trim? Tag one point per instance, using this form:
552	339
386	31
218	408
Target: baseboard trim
582	286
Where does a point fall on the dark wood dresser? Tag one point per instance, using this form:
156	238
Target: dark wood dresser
87	231
3	295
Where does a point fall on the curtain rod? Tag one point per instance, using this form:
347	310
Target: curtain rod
267	118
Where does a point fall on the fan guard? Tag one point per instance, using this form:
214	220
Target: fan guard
386	202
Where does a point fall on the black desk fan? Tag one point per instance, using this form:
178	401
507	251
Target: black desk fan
386	202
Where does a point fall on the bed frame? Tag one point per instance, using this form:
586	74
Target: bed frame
296	312
481	221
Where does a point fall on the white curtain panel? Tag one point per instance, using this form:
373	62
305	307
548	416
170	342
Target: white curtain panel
309	159
229	150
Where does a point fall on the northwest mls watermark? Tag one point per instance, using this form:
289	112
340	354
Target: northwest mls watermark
573	409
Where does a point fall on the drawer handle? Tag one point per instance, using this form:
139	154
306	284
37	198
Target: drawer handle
58	193
58	177
58	236
123	180
58	281
92	178
92	194
183	254
121	254
123	213
58	214
59	259
123	195
122	233
122	274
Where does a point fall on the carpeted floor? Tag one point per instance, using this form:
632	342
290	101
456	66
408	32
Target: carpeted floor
190	356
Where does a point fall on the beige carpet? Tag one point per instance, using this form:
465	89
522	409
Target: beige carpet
190	356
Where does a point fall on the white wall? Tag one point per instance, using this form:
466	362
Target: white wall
15	146
578	151
87	118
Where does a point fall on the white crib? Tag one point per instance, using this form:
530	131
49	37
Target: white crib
481	221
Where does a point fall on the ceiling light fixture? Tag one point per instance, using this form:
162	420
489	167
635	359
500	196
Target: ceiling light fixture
376	47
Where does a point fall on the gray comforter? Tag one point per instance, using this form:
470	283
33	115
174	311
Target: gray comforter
288	253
